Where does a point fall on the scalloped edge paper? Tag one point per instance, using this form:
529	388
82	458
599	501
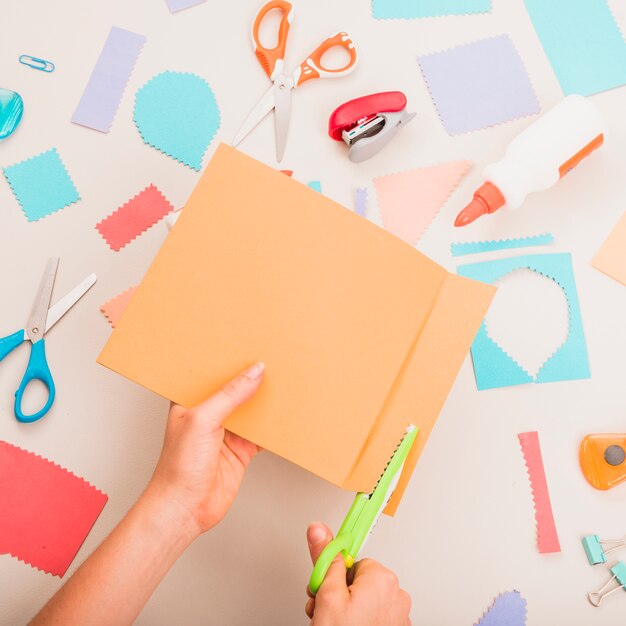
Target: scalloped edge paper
360	201
134	217
41	181
508	609
415	9
493	366
114	308
46	511
194	161
547	537
410	200
462	248
104	91
446	120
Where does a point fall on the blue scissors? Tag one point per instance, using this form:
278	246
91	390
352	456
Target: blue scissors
41	319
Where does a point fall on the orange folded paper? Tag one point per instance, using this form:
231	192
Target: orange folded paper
361	334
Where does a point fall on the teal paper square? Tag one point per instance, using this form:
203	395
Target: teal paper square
409	9
41	185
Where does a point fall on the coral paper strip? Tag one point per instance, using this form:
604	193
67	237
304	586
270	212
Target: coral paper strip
45	511
508	609
611	258
134	217
115	307
547	538
409	201
104	91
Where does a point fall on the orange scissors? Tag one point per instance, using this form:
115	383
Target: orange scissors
278	97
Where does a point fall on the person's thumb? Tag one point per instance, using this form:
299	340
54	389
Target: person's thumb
235	392
318	536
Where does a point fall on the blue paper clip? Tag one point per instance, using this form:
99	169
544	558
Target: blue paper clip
619	576
37	64
596	550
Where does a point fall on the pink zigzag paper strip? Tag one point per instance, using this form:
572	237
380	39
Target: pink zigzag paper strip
114	308
409	201
547	538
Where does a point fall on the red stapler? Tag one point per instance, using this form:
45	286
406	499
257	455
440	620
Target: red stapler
367	124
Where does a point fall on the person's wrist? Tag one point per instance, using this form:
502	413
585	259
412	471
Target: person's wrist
177	518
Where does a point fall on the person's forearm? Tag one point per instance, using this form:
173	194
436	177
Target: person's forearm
115	582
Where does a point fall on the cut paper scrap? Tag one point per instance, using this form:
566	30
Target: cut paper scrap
134	217
178	5
177	114
462	248
493	366
115	307
360	201
41	185
315	185
409	9
508	609
46	512
611	258
409	201
547	538
582	42
103	93
361	334
479	84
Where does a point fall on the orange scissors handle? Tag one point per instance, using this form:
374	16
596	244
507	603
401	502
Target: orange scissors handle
271	59
312	66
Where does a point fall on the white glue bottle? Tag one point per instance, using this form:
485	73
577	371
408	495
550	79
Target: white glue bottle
538	157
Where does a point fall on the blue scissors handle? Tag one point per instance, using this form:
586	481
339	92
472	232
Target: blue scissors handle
10	342
37	369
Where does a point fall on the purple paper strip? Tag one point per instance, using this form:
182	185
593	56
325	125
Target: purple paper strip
104	91
509	609
479	84
360	201
179	5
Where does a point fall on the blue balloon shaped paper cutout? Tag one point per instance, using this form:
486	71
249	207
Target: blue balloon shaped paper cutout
177	114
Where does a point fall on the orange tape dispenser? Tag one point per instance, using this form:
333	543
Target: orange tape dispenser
603	460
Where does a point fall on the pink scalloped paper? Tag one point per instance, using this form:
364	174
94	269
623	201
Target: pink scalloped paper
46	512
547	538
115	307
409	201
134	217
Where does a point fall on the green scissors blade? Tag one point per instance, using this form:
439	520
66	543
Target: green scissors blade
363	515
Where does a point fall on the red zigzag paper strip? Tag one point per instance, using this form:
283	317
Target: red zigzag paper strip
45	511
547	538
134	217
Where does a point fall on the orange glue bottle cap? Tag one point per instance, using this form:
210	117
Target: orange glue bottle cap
487	199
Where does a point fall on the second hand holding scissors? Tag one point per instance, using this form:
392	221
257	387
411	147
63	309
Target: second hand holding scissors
278	97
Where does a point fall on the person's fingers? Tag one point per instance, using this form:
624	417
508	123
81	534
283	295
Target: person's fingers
235	392
244	449
369	572
318	536
310	608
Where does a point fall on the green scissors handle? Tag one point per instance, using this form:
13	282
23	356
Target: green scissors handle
339	545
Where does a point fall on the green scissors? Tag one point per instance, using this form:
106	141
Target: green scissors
363	515
40	321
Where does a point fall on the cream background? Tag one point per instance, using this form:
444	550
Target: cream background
465	531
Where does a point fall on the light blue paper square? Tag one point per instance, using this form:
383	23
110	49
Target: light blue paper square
41	185
408	9
582	42
495	368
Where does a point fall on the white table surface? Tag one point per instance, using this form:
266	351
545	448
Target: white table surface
465	531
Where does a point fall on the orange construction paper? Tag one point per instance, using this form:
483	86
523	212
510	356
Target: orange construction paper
115	307
611	258
346	317
409	201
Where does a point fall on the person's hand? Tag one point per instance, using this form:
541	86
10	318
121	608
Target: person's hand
202	464
367	595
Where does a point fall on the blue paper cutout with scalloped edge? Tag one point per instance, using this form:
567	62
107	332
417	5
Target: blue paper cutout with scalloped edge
508	609
177	114
409	9
493	367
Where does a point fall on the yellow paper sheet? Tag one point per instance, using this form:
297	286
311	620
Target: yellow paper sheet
260	267
611	258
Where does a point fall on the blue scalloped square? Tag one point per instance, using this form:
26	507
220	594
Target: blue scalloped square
410	9
41	185
493	367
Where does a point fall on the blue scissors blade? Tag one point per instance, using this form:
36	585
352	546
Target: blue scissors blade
36	326
262	108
